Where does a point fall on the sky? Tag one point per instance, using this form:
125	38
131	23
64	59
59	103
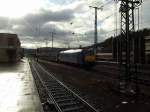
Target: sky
71	21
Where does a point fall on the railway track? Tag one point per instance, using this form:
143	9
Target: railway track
64	99
111	71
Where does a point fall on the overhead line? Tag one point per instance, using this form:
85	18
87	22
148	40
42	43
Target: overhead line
107	3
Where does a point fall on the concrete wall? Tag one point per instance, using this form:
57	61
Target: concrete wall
3	55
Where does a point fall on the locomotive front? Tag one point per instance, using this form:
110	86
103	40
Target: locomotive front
89	57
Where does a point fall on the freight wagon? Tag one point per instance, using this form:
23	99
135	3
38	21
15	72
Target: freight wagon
9	47
50	54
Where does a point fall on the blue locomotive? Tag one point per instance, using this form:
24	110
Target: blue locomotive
77	56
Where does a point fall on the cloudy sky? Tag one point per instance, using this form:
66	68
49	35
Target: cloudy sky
71	21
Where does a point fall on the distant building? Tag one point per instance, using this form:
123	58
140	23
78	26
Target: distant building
9	47
147	48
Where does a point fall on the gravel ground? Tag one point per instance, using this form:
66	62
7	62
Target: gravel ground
97	89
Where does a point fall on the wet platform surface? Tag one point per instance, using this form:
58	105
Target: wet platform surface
17	89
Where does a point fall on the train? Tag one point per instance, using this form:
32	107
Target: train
77	56
83	57
10	50
109	51
49	54
104	57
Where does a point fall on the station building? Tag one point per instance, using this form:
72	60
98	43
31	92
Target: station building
9	47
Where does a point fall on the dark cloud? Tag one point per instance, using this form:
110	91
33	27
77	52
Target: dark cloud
5	23
89	36
38	25
44	16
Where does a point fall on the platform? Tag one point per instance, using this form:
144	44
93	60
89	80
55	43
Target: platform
17	89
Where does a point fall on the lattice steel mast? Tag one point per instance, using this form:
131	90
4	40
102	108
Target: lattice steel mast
127	8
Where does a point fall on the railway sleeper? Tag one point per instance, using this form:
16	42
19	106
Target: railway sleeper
69	104
62	96
56	89
56	86
59	93
53	86
50	82
73	109
65	100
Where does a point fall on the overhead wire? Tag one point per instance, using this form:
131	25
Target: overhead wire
59	8
116	29
103	5
107	17
107	3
